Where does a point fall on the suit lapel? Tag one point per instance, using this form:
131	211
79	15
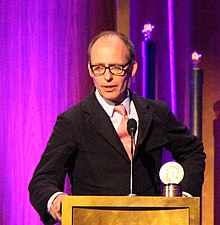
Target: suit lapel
149	132
145	118
100	121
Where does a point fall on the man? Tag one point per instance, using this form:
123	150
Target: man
85	143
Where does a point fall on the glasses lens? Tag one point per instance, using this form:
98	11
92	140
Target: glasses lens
98	70
117	70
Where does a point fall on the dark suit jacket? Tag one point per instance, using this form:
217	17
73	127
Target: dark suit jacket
85	145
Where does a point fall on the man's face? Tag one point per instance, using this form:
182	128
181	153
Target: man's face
109	51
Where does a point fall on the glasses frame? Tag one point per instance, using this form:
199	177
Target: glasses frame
109	68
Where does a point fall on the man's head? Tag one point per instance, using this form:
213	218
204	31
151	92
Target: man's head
111	64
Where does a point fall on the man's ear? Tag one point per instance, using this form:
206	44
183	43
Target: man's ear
90	71
133	68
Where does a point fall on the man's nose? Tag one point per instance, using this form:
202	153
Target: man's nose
108	75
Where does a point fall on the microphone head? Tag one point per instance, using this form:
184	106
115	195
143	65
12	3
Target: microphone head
132	126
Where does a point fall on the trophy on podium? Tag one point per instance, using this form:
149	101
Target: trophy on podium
171	174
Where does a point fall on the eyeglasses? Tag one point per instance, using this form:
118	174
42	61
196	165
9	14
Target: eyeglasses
118	70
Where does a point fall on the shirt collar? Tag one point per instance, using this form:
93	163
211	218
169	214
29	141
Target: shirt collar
108	105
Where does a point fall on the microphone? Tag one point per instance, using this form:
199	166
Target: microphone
132	128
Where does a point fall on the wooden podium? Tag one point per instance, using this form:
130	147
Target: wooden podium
125	210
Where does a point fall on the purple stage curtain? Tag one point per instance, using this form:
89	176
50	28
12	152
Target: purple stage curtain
43	71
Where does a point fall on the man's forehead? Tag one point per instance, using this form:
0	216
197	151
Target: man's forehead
110	43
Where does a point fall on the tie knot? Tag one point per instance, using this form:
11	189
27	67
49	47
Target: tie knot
120	109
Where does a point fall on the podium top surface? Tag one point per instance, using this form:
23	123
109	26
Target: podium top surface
127	201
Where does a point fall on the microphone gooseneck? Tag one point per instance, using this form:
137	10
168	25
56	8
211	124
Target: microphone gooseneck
131	128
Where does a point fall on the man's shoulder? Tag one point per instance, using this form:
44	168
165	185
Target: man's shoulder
150	104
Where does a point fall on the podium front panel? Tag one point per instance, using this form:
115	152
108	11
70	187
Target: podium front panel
111	210
132	216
